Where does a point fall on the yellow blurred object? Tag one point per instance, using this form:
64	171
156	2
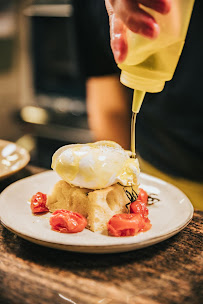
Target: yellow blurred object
34	115
150	63
27	141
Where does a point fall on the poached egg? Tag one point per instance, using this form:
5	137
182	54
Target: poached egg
96	165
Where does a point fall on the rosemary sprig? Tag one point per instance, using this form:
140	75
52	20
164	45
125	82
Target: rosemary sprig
132	196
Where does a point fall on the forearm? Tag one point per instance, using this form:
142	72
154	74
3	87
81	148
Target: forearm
109	110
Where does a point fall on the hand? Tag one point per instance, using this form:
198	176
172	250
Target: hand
129	14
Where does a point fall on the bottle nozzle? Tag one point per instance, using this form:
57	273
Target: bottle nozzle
138	97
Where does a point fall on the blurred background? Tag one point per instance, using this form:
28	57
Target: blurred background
42	90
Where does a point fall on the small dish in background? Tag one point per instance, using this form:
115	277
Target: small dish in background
13	158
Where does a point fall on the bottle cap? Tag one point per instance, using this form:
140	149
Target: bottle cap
141	83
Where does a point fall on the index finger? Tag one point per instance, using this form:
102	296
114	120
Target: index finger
161	6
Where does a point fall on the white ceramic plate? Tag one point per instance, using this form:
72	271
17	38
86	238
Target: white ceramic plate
168	216
12	158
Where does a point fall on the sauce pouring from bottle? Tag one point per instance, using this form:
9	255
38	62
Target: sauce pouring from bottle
150	63
137	102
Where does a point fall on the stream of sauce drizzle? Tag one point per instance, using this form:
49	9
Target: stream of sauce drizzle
133	135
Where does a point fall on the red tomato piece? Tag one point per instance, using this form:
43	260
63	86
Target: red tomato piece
66	221
38	203
125	224
139	207
147	225
143	196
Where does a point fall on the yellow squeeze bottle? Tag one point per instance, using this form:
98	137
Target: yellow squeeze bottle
150	63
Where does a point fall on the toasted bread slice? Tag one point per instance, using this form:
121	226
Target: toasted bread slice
98	206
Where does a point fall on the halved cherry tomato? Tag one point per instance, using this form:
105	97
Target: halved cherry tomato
125	224
143	196
139	207
66	221
38	203
147	225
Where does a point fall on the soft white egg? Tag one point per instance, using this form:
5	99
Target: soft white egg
96	165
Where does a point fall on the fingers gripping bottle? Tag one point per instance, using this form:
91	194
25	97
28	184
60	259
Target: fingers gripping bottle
150	63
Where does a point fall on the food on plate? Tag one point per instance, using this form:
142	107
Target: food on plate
66	221
97	179
99	190
127	224
38	203
96	165
139	207
98	206
134	222
124	224
142	196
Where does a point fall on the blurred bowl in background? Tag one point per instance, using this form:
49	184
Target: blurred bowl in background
13	158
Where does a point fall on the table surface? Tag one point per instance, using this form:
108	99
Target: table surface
168	272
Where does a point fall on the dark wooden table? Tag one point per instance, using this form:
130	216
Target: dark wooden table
168	272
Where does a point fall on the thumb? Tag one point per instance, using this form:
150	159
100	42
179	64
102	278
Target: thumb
119	43
118	36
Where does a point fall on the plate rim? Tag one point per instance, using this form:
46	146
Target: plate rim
98	248
26	159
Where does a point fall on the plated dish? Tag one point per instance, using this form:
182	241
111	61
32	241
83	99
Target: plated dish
168	216
13	158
